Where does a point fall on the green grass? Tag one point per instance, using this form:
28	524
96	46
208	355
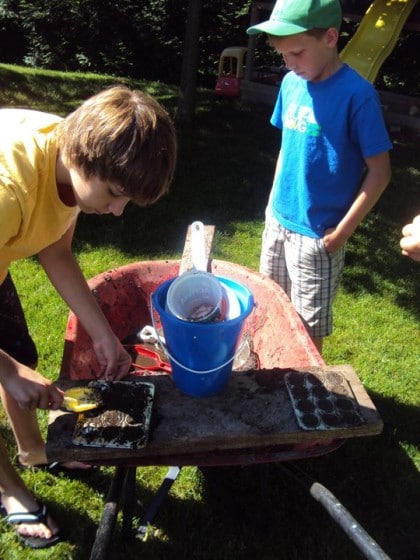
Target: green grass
223	177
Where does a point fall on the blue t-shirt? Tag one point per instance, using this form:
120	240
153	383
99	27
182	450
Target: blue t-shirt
328	128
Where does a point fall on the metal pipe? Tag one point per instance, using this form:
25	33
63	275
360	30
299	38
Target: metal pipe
364	542
129	502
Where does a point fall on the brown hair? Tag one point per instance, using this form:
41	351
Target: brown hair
125	137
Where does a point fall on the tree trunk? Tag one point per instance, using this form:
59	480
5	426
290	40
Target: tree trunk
187	92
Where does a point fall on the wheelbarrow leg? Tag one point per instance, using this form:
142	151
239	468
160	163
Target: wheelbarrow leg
129	503
158	498
109	515
364	542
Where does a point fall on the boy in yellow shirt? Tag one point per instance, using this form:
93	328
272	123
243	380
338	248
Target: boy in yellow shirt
119	145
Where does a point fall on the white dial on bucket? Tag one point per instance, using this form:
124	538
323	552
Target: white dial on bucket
233	307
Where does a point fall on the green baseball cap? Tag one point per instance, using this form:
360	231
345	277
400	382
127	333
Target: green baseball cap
295	16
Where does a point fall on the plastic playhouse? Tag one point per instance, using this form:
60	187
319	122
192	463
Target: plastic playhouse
231	71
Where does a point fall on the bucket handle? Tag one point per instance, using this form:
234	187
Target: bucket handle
163	344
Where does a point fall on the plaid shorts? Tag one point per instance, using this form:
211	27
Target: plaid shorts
14	335
306	271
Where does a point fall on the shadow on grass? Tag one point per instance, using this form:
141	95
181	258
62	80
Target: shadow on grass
261	512
223	177
224	174
374	264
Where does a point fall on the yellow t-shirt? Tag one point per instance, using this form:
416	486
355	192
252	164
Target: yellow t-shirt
32	216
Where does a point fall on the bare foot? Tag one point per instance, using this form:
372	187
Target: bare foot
73	466
25	461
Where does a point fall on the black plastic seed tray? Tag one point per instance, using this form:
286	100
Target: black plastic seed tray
124	419
323	401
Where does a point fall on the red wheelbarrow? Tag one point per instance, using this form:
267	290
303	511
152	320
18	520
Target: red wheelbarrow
226	436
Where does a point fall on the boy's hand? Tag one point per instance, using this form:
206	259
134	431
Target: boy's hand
410	242
29	388
333	241
113	359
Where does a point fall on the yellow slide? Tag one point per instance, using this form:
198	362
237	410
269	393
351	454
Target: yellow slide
376	36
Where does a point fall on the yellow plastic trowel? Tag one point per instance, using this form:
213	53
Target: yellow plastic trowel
81	399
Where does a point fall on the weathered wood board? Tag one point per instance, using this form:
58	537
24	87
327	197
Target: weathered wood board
186	260
254	410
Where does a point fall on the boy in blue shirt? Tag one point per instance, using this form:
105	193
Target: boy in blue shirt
333	164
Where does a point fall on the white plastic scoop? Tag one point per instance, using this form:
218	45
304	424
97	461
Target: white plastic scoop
197	295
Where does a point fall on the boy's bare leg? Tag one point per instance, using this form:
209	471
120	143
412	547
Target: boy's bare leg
24	423
30	444
16	498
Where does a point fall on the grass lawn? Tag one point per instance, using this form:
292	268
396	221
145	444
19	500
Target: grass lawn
224	173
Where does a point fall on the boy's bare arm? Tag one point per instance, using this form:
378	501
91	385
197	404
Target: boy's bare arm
66	276
375	182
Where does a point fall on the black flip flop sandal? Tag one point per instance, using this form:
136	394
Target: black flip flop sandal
39	516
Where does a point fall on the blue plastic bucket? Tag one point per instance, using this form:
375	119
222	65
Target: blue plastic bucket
202	354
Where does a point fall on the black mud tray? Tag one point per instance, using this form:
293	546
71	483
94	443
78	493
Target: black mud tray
124	419
323	401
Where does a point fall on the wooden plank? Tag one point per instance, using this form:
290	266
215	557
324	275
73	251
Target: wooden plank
254	410
186	261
